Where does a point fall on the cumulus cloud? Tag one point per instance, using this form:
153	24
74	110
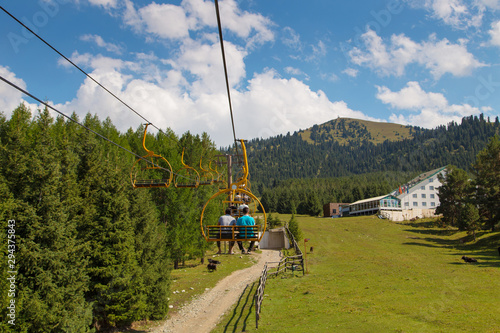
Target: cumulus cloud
495	33
10	98
272	105
174	22
428	109
392	58
269	105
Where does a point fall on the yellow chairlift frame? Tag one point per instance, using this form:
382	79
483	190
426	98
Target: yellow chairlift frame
186	172
206	177
213	233
149	164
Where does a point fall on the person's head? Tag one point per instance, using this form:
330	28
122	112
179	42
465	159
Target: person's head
245	210
228	211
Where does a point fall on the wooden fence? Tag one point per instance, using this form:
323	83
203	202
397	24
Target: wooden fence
291	263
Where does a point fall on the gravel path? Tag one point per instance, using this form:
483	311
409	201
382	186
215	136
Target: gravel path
204	312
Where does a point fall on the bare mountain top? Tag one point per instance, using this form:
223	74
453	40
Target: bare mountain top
346	130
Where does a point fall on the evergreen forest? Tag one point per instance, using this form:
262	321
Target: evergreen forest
291	157
89	251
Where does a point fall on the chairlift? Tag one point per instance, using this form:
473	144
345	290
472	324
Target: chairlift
152	170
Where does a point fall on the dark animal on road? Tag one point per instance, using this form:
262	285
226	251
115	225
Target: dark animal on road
211	267
467	259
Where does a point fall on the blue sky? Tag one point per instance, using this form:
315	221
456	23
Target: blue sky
292	64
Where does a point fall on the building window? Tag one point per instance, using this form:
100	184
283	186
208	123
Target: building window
423	196
407	204
415	204
422	188
414	195
431	180
431	188
432	196
433	204
424	204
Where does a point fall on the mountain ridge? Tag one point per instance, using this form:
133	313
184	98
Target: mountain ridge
358	151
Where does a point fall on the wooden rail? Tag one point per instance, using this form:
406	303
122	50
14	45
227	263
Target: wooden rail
291	263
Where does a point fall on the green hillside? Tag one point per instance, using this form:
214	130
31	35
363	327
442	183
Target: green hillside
346	130
345	147
371	275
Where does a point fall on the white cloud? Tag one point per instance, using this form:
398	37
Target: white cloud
272	106
104	3
174	22
268	106
491	4
99	41
293	71
165	20
205	62
495	33
460	14
10	97
439	56
291	39
351	72
428	109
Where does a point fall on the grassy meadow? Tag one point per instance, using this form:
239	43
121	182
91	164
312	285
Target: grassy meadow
372	275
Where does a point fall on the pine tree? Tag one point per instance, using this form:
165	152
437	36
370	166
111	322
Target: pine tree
453	193
487	172
469	219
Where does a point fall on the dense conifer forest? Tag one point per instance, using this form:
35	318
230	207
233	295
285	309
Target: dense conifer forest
90	251
291	157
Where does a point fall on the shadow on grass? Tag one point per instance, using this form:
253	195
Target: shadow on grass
242	311
485	249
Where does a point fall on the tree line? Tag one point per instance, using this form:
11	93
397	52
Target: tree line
307	196
473	203
290	157
90	251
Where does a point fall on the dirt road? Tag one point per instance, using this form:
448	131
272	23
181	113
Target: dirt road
204	312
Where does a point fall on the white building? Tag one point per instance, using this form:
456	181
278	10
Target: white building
419	197
421	192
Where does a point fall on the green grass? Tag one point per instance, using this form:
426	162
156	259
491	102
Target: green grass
371	275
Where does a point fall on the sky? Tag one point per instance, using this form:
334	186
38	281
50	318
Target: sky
291	64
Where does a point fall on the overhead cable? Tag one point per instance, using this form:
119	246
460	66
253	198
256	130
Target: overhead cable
81	70
225	71
87	128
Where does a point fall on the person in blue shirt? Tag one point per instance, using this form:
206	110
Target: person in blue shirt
244	232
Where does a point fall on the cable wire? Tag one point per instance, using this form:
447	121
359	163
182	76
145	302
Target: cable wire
87	128
225	71
81	70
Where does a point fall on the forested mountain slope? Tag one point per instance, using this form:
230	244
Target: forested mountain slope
330	151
